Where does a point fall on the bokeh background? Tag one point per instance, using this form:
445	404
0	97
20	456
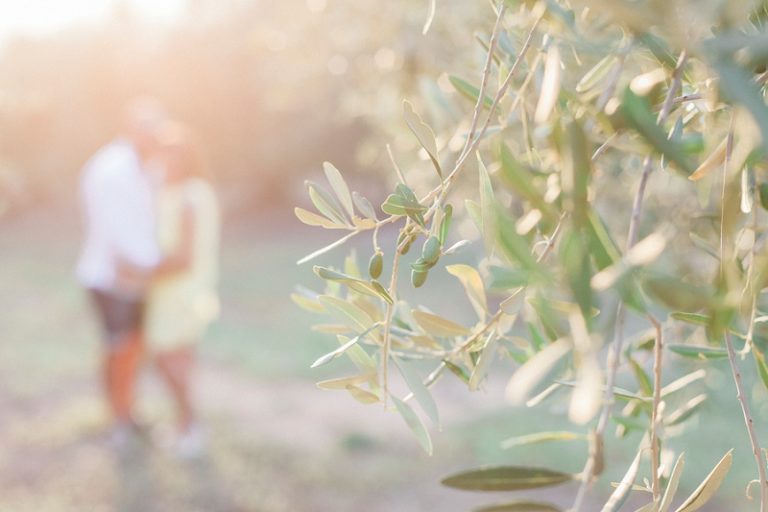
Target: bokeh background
272	89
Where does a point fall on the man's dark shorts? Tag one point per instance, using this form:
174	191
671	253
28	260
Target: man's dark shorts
118	315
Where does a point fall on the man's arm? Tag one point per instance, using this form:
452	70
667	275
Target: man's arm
125	215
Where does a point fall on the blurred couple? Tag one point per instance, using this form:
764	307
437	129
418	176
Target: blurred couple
150	263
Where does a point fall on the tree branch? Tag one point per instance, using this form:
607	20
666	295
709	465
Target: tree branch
742	398
497	99
388	327
740	395
486	74
614	351
658	351
469	147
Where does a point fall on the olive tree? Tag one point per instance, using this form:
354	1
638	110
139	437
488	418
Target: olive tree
579	106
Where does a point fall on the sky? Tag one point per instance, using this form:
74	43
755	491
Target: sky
37	17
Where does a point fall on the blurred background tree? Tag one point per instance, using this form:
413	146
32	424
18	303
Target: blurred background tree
270	87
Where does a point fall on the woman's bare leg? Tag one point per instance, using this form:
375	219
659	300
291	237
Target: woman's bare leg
176	368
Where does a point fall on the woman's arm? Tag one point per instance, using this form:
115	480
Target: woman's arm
131	277
181	258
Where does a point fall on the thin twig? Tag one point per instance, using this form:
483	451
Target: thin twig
496	100
486	74
469	147
637	207
329	247
740	395
689	97
742	398
397	167
604	146
446	184
430	381
614	351
388	327
527	80
658	351
550	244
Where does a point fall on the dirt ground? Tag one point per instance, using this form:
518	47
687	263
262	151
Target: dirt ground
276	443
273	446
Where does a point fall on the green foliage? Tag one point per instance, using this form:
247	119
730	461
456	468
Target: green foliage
469	91
511	478
571	160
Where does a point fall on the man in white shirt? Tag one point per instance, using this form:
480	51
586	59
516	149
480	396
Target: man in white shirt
120	251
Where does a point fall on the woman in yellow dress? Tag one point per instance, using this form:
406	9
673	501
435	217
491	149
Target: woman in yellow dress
183	300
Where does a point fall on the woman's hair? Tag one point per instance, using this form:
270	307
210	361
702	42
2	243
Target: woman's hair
179	139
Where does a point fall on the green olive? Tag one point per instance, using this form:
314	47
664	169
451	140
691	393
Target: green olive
407	246
376	265
418	277
421	266
431	250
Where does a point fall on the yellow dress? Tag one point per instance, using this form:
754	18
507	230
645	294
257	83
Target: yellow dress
181	307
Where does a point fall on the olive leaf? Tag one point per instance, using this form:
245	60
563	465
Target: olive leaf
473	286
672	484
423	133
506	478
709	486
339	187
621	493
469	91
541	437
414	423
437	325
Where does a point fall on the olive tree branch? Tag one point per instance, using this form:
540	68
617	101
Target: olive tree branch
486	74
442	188
658	351
388	326
614	351
394	164
494	319
531	73
666	108
740	395
472	143
689	97
494	105
550	244
742	398
474	140
329	247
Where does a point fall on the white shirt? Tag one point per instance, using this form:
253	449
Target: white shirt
116	193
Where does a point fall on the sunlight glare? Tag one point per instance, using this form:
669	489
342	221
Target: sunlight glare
37	17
